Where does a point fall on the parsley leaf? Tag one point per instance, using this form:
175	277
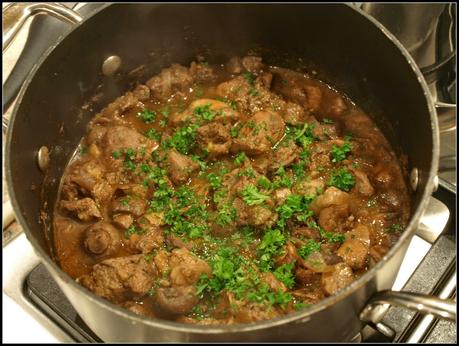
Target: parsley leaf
285	274
183	139
342	179
214	180
310	247
147	115
395	228
240	158
252	196
270	246
153	134
339	153
204	112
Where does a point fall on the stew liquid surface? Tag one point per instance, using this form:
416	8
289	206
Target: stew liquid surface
228	194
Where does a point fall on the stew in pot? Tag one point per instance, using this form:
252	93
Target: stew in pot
228	194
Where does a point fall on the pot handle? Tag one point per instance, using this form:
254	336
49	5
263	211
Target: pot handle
446	116
16	14
424	304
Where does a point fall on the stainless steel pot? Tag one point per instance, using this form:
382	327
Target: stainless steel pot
346	47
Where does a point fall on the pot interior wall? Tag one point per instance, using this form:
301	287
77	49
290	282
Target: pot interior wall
343	46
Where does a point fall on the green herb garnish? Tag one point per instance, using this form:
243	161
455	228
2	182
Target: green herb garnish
252	196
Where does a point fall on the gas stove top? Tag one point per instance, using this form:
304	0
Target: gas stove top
31	296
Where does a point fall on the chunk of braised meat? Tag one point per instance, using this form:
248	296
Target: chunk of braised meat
378	251
139	309
257	215
88	177
119	138
282	156
309	295
247	312
326	131
129	204
306	233
361	126
305	277
170	80
102	239
289	255
280	195
85	209
176	300
252	63
180	167
214	111
122	278
121	105
142	92
123	221
202	72
151	239
356	249
335	218
331	196
315	262
265	79
176	242
309	187
186	268
214	138
250	97
273	283
362	183
152	219
291	85
336	107
161	260
234	65
295	115
341	277
259	133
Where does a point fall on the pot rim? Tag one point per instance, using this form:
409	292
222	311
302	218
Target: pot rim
299	316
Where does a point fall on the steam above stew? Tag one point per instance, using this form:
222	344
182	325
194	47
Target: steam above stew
228	194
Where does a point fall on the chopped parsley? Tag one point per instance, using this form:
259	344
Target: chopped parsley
147	115
264	183
294	204
252	196
310	247
133	230
214	180
339	153
204	112
183	139
249	77
395	228
332	237
83	150
234	131
153	134
327	121
342	179
240	158
165	112
226	215
285	274
116	154
270	246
